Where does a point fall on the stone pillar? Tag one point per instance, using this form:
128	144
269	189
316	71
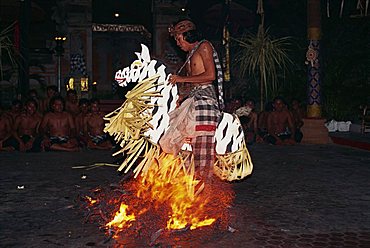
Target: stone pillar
313	129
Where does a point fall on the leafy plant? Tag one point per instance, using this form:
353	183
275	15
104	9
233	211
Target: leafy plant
262	56
8	55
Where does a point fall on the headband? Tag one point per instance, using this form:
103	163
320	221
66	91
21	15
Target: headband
181	27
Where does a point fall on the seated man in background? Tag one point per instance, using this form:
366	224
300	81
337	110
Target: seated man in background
51	91
298	114
5	131
58	128
262	122
72	106
26	129
280	125
248	120
94	128
84	105
15	110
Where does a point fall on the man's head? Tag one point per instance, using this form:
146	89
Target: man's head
57	104
185	34
279	104
51	91
94	105
250	103
32	94
295	104
31	106
84	104
16	106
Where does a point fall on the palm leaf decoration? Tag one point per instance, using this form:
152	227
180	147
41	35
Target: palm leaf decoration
263	56
8	55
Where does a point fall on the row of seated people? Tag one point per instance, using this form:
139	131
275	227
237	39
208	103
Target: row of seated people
277	124
26	129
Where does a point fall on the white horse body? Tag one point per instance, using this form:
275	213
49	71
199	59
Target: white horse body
229	137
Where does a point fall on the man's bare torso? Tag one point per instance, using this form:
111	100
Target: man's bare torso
27	124
59	124
278	121
196	65
95	123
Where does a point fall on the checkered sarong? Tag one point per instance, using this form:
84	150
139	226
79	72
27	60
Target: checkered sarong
206	119
204	154
206	109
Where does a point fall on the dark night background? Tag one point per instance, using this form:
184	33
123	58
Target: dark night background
345	42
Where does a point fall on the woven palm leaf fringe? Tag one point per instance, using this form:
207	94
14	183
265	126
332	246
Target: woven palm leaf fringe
233	166
128	123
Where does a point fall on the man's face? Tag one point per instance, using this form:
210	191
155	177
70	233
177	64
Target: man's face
295	104
181	42
16	108
278	105
31	108
51	93
250	104
84	108
94	107
58	106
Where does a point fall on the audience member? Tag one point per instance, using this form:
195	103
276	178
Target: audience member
51	91
280	125
5	132
15	110
298	114
94	128
84	105
232	105
72	103
58	128
26	129
249	121
262	122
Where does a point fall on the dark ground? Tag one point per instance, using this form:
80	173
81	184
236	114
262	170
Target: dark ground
297	196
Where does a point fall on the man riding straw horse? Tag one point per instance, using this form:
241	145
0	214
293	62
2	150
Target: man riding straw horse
161	115
200	72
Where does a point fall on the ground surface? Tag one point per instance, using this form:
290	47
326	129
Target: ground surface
297	196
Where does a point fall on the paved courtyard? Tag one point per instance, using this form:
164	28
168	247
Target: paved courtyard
297	196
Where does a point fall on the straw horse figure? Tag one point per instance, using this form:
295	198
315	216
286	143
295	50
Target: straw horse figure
143	118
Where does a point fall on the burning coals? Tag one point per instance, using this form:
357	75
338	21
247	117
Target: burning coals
167	201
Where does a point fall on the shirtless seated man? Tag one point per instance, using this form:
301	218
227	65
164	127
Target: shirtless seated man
58	128
5	131
26	129
248	120
94	128
280	125
72	106
84	105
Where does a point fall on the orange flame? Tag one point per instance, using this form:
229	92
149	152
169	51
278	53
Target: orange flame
91	200
121	219
170	190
